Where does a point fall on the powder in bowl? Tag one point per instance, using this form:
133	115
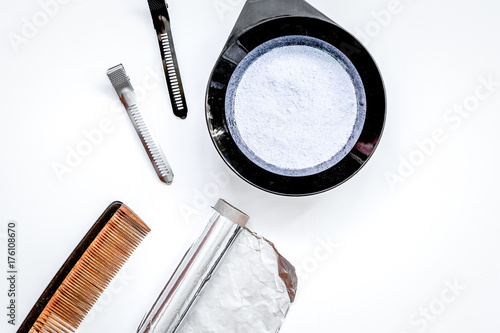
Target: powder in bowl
295	106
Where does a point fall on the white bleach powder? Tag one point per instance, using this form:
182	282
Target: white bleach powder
294	108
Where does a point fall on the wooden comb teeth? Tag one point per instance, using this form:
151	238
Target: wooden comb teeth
87	272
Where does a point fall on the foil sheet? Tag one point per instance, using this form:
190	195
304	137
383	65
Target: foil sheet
251	290
230	280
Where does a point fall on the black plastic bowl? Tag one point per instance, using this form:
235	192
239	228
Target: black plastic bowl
238	46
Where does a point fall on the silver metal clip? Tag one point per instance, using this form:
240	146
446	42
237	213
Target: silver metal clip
121	83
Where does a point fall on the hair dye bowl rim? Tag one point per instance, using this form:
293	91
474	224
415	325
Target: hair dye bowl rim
236	50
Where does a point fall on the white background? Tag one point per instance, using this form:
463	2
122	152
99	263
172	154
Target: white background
393	249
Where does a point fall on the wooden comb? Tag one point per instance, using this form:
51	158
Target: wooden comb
87	272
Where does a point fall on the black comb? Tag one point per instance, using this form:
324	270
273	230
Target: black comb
161	21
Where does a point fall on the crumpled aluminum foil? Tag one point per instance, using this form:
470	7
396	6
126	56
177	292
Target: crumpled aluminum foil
230	280
251	290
